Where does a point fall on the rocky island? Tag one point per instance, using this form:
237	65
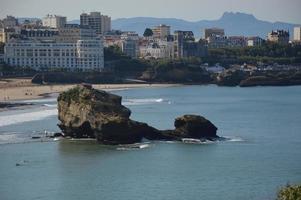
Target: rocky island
85	112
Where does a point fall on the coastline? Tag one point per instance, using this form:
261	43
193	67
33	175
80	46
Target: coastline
21	89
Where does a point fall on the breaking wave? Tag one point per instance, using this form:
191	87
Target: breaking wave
26	117
136	146
233	139
129	102
40	100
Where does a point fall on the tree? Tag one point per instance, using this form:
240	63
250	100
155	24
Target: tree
148	32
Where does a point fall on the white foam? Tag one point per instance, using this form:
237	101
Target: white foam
26	117
40	100
50	105
128	102
233	139
133	146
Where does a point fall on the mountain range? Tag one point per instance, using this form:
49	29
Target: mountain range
235	24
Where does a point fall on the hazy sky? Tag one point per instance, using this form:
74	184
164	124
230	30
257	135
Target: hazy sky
193	10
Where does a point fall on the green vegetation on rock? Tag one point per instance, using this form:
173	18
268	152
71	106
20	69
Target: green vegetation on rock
267	53
290	193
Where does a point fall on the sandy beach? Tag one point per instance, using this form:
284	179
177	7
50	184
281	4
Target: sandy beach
23	89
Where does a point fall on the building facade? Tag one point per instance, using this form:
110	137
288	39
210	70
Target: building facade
217	41
73	32
84	55
161	32
279	36
130	44
185	45
39	34
157	50
255	41
106	25
54	21
236	41
212	32
6	34
297	34
93	20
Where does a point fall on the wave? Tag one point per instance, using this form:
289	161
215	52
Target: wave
233	139
39	100
26	117
130	147
128	102
50	105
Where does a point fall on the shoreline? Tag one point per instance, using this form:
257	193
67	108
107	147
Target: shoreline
10	91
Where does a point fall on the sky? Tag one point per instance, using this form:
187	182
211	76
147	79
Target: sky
191	10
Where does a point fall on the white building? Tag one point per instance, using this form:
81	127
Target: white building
162	49
54	21
83	55
254	41
297	34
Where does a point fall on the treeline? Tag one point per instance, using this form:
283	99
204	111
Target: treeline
268	53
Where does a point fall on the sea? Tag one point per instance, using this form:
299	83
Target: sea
262	152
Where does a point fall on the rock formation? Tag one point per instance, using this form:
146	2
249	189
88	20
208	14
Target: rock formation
85	112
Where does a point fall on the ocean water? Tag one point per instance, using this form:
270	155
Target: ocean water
263	153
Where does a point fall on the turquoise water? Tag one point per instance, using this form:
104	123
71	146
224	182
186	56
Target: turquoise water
264	153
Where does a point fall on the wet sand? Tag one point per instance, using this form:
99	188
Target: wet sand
23	89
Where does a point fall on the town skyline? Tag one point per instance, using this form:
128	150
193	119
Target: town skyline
189	11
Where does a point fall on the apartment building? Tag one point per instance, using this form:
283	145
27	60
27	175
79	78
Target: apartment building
254	41
74	32
212	32
106	25
279	36
84	55
161	32
39	34
297	34
6	34
130	44
236	41
54	21
185	45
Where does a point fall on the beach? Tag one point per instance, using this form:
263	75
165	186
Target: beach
22	89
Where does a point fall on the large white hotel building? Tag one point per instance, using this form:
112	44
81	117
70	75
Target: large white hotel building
84	55
72	48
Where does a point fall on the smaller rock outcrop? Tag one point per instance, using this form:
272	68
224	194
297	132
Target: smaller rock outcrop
88	113
231	78
194	126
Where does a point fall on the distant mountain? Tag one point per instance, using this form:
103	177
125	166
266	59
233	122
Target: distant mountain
235	24
76	21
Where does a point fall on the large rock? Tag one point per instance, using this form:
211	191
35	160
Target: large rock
231	77
194	126
88	113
